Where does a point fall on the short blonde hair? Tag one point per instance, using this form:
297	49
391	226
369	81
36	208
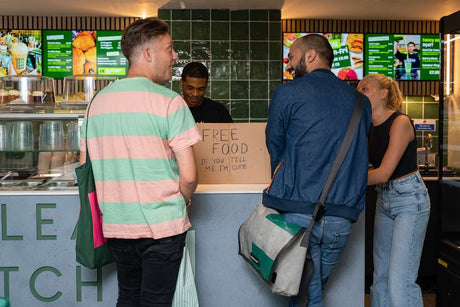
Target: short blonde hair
394	99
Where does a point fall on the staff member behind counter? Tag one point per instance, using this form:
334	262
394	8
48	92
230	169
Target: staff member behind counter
204	110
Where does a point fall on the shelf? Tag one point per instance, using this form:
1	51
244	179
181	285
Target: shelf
39	150
41	116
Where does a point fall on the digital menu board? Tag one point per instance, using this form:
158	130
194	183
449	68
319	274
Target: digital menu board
403	56
348	54
83	52
20	52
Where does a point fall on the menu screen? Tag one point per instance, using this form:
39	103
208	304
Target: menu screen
83	52
348	54
20	52
403	57
57	56
110	60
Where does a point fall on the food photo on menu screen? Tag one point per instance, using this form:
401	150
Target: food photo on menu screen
403	56
20	52
83	52
348	54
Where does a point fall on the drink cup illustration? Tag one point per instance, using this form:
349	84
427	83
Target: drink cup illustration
19	57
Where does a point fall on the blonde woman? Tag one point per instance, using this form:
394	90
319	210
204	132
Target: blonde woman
403	204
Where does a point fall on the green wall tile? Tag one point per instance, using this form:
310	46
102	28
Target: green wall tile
226	104
275	31
166	84
404	107
275	70
259	109
208	90
220	15
176	86
414	110
272	85
221	39
239	15
200	50
257	120
276	51
220	50
219	89
420	142
178	67
239	31
200	30
414	98
183	49
258	31
274	15
431	110
220	70
240	70
428	99
239	120
201	14
259	70
239	109
259	15
220	30
240	50
164	14
259	89
240	90
180	14
258	51
180	30
177	71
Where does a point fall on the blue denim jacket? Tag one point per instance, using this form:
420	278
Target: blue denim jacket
307	121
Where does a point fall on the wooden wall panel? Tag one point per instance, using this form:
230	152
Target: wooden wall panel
409	88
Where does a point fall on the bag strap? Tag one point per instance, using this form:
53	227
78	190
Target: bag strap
320	207
87	159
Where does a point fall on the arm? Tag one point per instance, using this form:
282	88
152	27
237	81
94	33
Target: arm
275	137
82	151
401	133
188	177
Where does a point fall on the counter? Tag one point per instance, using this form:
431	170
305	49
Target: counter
37	266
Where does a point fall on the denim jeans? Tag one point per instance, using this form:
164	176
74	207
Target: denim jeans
401	218
147	270
327	242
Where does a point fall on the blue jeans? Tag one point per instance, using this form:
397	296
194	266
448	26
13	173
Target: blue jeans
327	242
401	218
147	270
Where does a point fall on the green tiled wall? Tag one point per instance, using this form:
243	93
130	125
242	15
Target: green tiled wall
423	107
241	49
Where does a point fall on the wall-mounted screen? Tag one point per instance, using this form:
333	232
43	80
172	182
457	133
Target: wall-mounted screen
20	52
403	56
348	54
83	52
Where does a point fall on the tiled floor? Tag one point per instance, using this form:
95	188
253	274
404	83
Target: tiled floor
429	300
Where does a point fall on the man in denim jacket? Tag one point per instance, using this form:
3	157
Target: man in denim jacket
307	121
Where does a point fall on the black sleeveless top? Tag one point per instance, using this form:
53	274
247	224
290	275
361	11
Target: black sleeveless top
379	138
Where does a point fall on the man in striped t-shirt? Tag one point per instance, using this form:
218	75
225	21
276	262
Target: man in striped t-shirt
140	138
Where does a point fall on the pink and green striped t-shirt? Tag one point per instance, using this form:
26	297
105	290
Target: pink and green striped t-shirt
134	128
